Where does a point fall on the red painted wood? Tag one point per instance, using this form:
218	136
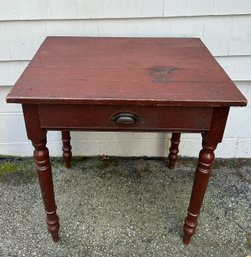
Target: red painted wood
43	167
125	84
174	150
67	154
206	157
152	71
100	118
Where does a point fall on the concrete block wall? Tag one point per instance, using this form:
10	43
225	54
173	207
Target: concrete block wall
224	26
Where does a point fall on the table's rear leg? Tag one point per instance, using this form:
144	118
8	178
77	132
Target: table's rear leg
174	149
67	154
43	168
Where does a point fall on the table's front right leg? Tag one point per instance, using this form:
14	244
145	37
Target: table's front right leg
201	179
43	167
210	141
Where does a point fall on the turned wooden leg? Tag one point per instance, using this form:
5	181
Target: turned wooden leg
174	150
66	148
43	168
202	175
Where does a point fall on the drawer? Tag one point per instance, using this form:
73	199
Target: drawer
134	118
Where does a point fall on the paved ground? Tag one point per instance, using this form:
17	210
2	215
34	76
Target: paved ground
125	207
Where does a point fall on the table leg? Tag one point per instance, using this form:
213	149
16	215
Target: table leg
174	150
41	155
202	175
66	148
43	167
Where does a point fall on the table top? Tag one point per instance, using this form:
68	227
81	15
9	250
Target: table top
141	71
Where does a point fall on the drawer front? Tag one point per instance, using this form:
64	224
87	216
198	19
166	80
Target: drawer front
135	118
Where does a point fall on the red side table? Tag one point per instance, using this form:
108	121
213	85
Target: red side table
125	84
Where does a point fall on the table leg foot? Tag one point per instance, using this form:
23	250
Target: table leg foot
189	227
186	238
174	150
43	167
53	225
55	238
202	175
67	154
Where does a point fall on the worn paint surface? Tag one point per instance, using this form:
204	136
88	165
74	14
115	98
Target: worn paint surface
89	70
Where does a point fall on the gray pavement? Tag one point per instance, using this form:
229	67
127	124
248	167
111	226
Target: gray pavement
125	207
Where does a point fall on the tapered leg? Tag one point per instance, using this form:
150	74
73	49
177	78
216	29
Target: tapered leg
174	150
202	175
66	148
43	168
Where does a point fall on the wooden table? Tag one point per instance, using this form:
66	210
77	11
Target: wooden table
125	84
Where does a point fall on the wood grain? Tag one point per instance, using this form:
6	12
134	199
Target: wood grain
163	71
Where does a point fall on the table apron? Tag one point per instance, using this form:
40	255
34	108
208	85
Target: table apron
147	118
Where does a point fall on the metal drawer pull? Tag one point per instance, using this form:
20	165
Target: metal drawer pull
125	118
